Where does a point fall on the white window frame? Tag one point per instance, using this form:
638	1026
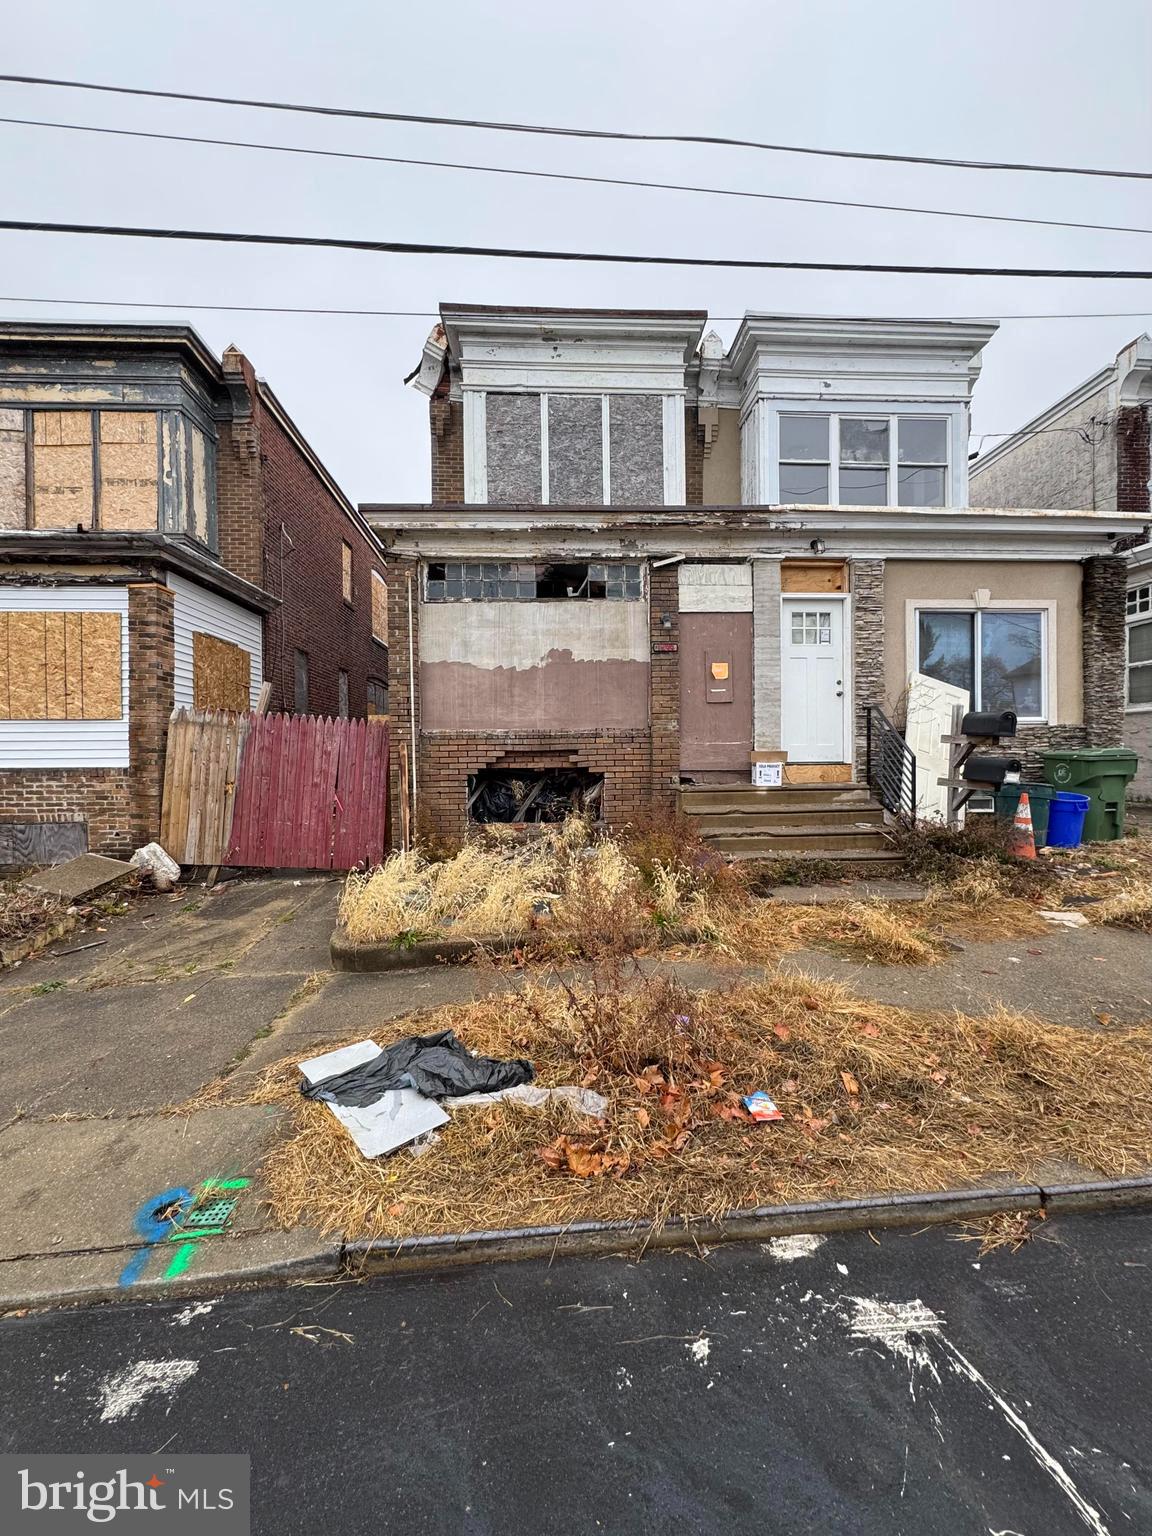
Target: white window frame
476	442
955	466
1047	611
1138	612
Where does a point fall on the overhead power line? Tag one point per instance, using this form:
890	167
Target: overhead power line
600	181
574	133
512	253
433	314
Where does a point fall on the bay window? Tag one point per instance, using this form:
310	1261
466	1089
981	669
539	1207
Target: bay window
862	460
1139	608
1000	655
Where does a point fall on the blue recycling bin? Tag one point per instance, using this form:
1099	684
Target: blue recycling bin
1066	814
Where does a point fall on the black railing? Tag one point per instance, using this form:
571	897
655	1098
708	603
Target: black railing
891	764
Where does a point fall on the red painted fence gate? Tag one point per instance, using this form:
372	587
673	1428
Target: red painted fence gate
310	794
275	791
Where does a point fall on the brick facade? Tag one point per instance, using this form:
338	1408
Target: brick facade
1133	466
101	796
446	419
693	458
151	681
664	720
282	527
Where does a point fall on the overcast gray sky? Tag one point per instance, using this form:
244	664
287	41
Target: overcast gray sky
1036	80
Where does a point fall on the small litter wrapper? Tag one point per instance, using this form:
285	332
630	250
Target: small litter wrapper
761	1106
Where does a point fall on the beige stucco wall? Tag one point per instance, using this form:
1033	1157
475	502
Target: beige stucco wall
1042	581
722	463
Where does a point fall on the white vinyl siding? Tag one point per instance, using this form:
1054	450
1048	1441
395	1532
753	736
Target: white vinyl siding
198	610
69	743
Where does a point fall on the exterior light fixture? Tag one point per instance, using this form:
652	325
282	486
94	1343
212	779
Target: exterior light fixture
666	621
817	546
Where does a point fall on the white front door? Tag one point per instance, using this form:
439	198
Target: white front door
813	681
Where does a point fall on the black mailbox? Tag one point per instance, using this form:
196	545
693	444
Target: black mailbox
990	770
987	723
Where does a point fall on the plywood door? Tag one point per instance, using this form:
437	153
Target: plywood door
813	681
715	691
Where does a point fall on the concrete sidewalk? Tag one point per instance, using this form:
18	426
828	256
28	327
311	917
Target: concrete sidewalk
103	1047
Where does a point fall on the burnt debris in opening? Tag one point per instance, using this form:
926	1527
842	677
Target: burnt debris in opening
533	794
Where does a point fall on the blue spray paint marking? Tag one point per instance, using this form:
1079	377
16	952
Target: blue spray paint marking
177	1215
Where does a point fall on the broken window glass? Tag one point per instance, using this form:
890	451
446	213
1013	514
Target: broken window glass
449	581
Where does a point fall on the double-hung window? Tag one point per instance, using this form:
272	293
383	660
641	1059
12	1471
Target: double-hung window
858	460
1000	655
1139	607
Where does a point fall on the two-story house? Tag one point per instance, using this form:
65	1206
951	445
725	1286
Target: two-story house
167	538
1093	448
648	557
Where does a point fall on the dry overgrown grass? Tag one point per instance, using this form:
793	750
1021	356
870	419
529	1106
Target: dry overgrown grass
1130	907
24	911
874	1098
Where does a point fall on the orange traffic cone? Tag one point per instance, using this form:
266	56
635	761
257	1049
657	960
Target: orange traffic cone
1023	840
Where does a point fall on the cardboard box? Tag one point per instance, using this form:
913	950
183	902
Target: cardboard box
768	769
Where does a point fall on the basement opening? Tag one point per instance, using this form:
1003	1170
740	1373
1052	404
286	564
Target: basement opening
533	794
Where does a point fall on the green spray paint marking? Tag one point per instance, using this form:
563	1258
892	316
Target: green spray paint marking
180	1260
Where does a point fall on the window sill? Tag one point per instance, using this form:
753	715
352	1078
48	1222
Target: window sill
383	644
1138	709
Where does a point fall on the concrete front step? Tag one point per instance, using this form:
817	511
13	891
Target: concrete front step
829	842
716	823
706	799
868	864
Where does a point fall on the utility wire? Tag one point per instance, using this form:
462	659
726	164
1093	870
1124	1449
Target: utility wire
433	314
600	181
513	253
573	133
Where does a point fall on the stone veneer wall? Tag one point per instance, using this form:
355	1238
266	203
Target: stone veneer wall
766	654
867	583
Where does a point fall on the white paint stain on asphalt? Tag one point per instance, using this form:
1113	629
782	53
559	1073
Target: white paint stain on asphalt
801	1245
195	1310
699	1349
907	1329
124	1392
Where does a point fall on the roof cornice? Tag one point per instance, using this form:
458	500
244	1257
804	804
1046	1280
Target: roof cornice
789	334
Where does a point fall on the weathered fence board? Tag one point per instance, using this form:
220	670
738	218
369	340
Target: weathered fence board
275	791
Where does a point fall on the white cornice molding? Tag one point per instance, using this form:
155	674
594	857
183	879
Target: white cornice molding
1134	372
812	346
431	367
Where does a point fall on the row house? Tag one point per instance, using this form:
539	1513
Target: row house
168	538
649	558
1093	448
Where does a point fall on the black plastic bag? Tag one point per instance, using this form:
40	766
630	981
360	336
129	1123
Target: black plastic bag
437	1065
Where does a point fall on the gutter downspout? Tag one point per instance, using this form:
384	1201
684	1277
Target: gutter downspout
412	701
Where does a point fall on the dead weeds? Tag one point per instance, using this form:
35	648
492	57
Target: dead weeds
875	1099
1005	1229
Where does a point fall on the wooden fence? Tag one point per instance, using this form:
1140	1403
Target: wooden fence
275	791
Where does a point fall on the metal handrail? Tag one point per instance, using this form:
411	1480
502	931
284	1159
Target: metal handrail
890	764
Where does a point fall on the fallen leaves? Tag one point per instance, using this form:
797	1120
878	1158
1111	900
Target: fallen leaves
851	1082
586	1160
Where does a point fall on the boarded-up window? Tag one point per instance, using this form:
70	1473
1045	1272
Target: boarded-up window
576	448
200	492
221	674
377	697
346	570
60	666
379	608
342	695
636	450
512	440
300	682
128	469
13	488
62	476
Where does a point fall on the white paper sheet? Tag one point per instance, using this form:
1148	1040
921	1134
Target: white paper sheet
396	1119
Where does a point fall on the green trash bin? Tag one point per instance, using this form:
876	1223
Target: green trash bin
1040	798
1101	773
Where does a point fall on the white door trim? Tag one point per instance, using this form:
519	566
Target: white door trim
845	600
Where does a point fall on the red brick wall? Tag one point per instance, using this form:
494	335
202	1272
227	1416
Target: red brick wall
305	571
281	527
101	796
693	458
446	422
151	684
664	599
1132	458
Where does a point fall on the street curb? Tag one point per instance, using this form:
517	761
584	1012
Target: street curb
590	1238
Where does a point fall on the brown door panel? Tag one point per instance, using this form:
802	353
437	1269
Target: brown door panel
715	691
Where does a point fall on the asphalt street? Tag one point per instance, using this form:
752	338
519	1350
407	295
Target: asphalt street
887	1385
